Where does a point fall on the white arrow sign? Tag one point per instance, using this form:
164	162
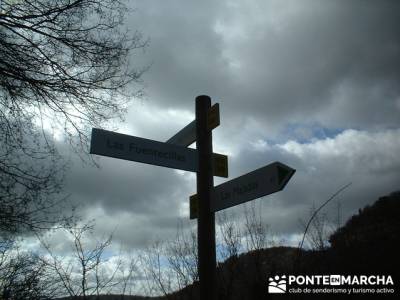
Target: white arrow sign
261	182
108	143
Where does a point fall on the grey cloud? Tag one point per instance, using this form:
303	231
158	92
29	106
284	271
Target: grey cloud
121	185
368	160
184	51
336	61
138	201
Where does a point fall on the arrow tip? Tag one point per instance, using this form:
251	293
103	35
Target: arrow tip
284	174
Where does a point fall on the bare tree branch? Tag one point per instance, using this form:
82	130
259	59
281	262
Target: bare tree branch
67	63
318	209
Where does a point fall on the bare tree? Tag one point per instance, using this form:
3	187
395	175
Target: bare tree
159	276
65	65
231	235
255	229
229	246
172	264
31	176
319	230
83	274
127	271
319	225
23	275
182	256
65	58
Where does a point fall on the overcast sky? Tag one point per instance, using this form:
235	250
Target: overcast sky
312	84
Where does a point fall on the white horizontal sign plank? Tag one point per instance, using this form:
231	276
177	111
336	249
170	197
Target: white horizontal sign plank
261	182
117	145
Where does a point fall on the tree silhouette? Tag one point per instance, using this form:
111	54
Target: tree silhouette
23	275
66	66
68	59
85	272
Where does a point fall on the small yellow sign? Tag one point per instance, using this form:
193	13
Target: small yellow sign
213	120
194	206
220	165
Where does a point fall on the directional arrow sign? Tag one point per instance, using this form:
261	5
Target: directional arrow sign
108	143
112	144
261	182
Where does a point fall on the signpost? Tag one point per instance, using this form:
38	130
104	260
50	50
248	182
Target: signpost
127	147
261	182
209	199
108	143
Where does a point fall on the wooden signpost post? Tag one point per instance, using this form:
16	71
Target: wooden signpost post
209	199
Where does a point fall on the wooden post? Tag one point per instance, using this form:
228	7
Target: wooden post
206	218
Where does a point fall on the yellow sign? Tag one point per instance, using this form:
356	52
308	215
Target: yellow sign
213	117
194	206
220	165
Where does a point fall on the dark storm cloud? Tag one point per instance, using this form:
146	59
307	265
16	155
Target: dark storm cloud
184	50
336	61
